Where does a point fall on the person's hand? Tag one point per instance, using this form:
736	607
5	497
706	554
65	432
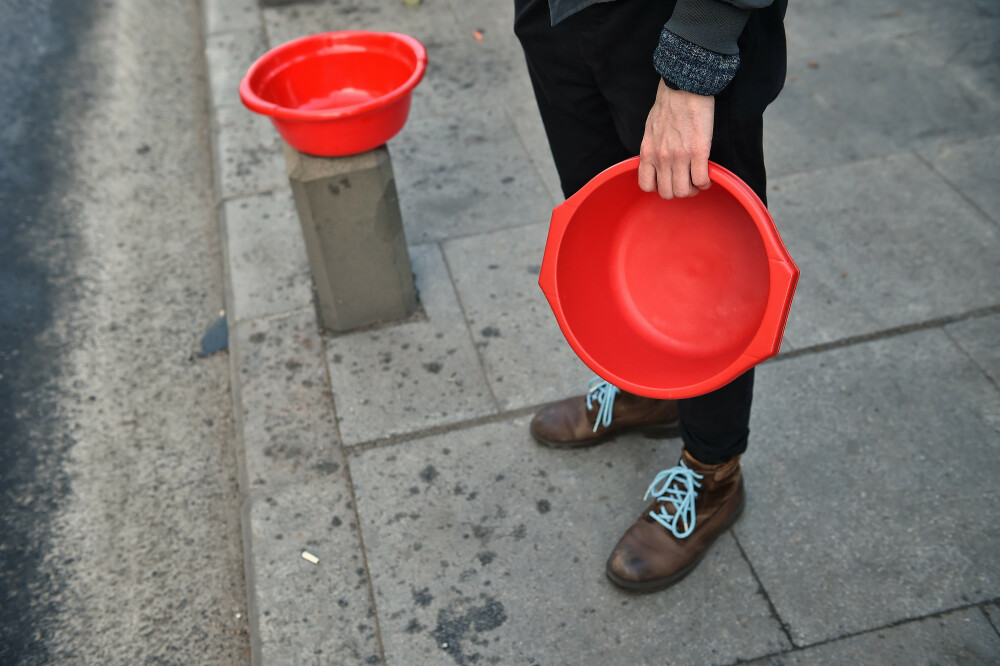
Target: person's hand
673	158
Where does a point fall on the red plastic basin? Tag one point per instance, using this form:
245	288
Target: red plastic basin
336	93
667	298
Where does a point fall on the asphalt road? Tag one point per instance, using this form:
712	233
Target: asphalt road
120	536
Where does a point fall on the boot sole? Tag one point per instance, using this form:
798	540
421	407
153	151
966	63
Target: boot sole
655	431
662	583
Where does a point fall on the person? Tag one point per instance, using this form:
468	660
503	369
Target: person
677	82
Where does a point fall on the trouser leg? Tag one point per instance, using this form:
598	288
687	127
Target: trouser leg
594	82
715	426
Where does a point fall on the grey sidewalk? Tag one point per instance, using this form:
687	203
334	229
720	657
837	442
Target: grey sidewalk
400	456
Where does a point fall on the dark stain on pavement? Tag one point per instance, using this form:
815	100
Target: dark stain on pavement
459	629
422	597
429	473
482	532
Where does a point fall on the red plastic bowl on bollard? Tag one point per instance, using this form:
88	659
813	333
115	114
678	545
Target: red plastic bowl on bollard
667	298
336	93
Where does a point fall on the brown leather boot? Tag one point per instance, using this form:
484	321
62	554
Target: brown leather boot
570	423
693	504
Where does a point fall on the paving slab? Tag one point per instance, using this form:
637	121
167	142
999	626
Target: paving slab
493	20
248	154
268	264
817	27
871	260
285	413
965	637
432	21
483	62
506	80
979	338
229	55
307	613
872	486
966	43
523	112
971	167
469	72
465	173
908	103
230	15
413	375
526	357
486	548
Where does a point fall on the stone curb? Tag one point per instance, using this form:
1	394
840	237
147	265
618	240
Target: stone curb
292	472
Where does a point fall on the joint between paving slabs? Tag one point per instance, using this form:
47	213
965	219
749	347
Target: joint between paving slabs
468	330
972	358
884	334
554	196
354	506
479	234
982	609
763	591
268	40
271	190
775	179
271	316
444	429
419	315
364	556
956	189
249	573
503	415
892	625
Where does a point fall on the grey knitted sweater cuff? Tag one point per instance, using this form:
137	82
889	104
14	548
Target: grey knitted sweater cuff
692	68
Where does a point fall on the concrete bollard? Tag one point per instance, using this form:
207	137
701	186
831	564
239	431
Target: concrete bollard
354	236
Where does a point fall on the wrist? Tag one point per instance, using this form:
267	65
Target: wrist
686	66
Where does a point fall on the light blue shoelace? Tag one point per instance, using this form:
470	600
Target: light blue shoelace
604	393
678	486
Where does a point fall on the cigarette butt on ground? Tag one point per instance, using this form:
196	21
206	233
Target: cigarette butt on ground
478	35
309	557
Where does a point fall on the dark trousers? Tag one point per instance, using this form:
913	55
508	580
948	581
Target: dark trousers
594	81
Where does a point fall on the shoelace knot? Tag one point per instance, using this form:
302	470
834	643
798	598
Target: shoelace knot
678	486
